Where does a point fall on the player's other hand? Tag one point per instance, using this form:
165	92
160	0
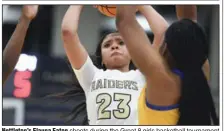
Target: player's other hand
29	11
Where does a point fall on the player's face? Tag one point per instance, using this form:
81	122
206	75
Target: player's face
114	52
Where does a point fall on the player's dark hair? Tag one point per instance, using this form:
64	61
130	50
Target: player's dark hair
79	109
187	44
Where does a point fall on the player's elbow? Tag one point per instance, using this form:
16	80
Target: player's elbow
67	33
162	30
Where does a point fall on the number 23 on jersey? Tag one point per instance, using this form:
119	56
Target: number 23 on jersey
122	111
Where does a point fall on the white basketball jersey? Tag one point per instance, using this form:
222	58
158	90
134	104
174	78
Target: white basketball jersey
111	95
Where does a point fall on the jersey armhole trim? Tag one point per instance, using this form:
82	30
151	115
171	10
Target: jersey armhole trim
161	108
179	73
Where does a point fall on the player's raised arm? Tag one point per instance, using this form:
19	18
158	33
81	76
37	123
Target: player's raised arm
75	51
136	39
81	63
14	46
190	12
157	23
186	12
147	59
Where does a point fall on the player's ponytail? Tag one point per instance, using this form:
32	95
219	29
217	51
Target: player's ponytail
196	104
186	43
79	107
78	113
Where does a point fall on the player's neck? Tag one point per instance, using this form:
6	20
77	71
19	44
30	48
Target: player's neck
124	69
121	68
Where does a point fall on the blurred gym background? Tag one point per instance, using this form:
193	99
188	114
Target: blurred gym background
43	69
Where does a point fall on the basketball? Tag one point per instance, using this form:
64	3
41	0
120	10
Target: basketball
108	10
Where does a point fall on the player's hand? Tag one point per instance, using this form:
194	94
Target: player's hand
132	9
140	6
29	11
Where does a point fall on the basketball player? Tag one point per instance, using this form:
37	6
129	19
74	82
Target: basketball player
111	91
14	46
177	92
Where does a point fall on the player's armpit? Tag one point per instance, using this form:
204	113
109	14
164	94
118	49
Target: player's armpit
163	89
